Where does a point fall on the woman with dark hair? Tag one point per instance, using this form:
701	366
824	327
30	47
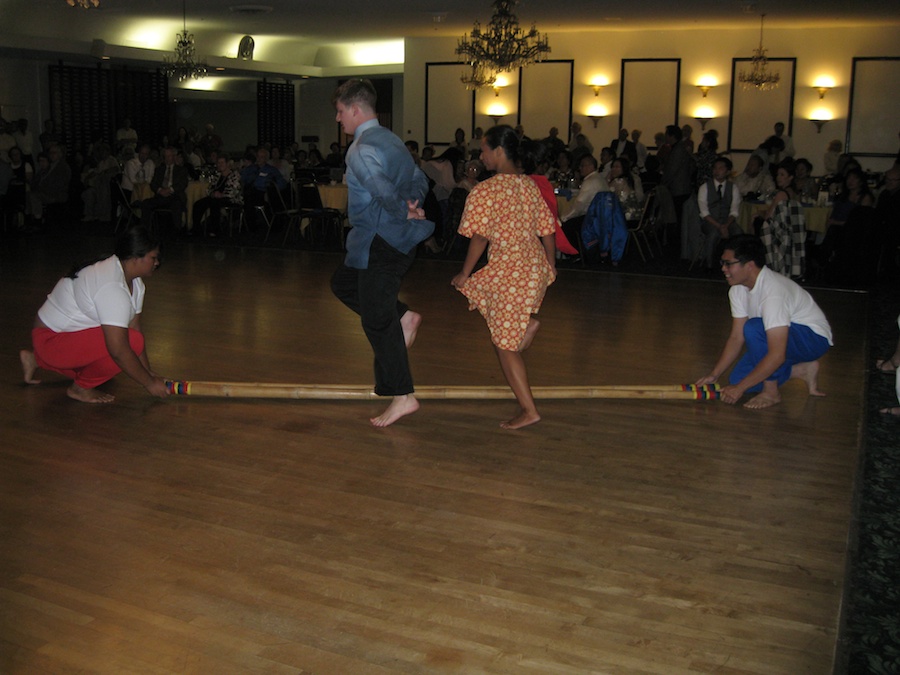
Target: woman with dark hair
784	230
805	185
707	153
507	216
89	328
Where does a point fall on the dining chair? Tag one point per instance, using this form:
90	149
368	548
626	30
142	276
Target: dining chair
126	212
326	220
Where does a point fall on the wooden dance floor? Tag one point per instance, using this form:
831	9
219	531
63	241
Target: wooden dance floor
194	535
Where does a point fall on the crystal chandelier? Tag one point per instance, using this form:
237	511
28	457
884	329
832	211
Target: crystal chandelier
84	4
758	76
478	77
183	65
501	48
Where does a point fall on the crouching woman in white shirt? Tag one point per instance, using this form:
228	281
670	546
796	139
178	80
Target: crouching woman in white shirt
89	328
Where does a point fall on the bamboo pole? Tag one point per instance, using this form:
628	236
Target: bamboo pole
358	392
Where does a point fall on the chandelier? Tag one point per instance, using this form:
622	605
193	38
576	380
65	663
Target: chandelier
84	4
501	48
183	65
758	76
478	77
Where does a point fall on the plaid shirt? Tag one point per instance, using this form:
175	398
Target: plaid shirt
784	236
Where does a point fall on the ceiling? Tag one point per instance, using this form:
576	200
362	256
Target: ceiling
297	33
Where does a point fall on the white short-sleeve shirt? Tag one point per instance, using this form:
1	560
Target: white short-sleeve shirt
98	295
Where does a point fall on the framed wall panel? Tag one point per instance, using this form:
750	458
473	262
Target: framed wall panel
545	98
448	105
649	95
874	117
754	112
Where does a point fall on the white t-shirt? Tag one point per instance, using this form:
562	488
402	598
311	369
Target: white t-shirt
97	296
778	301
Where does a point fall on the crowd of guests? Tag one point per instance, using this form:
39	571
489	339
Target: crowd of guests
97	182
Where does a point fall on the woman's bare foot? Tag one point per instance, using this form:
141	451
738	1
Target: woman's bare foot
530	330
29	366
523	419
400	406
88	395
809	373
410	322
890	411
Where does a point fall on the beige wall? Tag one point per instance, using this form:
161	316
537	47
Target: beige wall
818	52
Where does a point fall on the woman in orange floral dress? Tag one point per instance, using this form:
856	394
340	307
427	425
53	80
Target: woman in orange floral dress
508	214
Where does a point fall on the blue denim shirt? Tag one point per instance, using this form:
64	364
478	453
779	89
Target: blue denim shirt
381	177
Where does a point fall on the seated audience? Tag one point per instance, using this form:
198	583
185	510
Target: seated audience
806	187
168	186
335	158
849	214
553	143
471	174
784	230
592	182
563	172
50	184
20	175
284	166
719	203
626	186
224	190
651	175
832	155
137	170
607	155
258	176
755	183
96	197
622	147
24	140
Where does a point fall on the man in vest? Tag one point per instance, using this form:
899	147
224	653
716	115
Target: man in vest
719	201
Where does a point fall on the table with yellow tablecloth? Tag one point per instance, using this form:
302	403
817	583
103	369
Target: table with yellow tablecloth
816	217
334	196
140	192
196	190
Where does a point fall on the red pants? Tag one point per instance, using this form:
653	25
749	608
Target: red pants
81	355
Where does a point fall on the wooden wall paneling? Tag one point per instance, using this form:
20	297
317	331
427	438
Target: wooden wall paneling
753	112
649	95
873	117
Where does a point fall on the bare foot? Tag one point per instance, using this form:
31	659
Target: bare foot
410	322
88	395
886	365
400	406
29	366
530	330
523	419
890	411
763	400
809	373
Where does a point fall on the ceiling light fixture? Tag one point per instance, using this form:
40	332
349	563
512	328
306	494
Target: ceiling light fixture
183	66
503	47
759	77
84	4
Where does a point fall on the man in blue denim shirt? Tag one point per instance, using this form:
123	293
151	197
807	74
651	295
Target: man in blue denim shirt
385	190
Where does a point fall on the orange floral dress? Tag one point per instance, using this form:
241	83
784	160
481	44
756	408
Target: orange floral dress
510	213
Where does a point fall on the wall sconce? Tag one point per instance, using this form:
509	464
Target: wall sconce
499	83
703	115
823	85
496	117
596	113
819	117
705	84
597	84
496	112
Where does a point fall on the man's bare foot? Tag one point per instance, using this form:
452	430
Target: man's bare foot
809	373
763	400
400	406
410	323
530	330
523	419
29	366
890	411
88	395
888	366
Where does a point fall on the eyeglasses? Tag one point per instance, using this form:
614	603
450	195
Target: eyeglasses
728	263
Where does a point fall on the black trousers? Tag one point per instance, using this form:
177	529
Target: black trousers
373	294
215	206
